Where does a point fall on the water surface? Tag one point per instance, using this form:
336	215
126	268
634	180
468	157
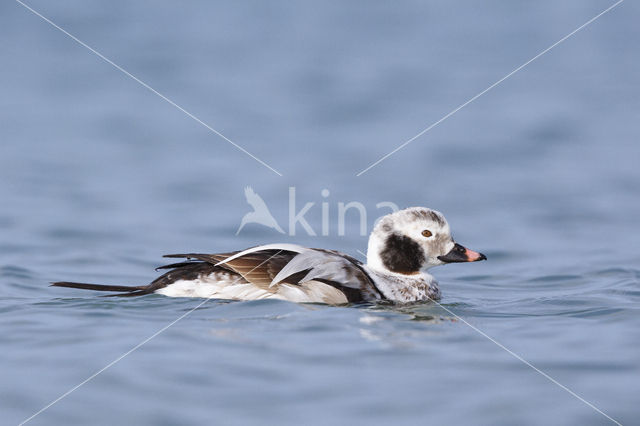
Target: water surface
100	177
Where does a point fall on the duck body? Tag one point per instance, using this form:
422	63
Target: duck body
335	279
402	246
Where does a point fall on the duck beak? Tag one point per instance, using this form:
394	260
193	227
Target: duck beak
462	254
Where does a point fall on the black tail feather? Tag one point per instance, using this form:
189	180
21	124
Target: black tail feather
132	290
176	265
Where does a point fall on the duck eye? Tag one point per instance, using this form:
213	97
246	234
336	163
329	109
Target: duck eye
426	233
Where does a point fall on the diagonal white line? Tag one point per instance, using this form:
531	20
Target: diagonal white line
490	87
519	358
109	365
115	361
146	86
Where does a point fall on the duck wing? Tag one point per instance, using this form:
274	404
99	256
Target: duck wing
271	266
258	267
331	267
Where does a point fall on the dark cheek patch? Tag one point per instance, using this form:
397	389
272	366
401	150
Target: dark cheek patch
402	255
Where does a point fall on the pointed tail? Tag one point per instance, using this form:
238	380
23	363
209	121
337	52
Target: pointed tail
123	290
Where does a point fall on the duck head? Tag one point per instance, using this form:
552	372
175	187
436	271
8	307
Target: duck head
413	240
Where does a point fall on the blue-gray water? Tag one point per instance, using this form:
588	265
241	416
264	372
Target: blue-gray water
99	177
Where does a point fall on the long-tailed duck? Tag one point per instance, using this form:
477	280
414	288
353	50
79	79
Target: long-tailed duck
402	247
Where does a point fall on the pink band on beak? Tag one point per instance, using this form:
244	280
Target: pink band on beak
474	255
